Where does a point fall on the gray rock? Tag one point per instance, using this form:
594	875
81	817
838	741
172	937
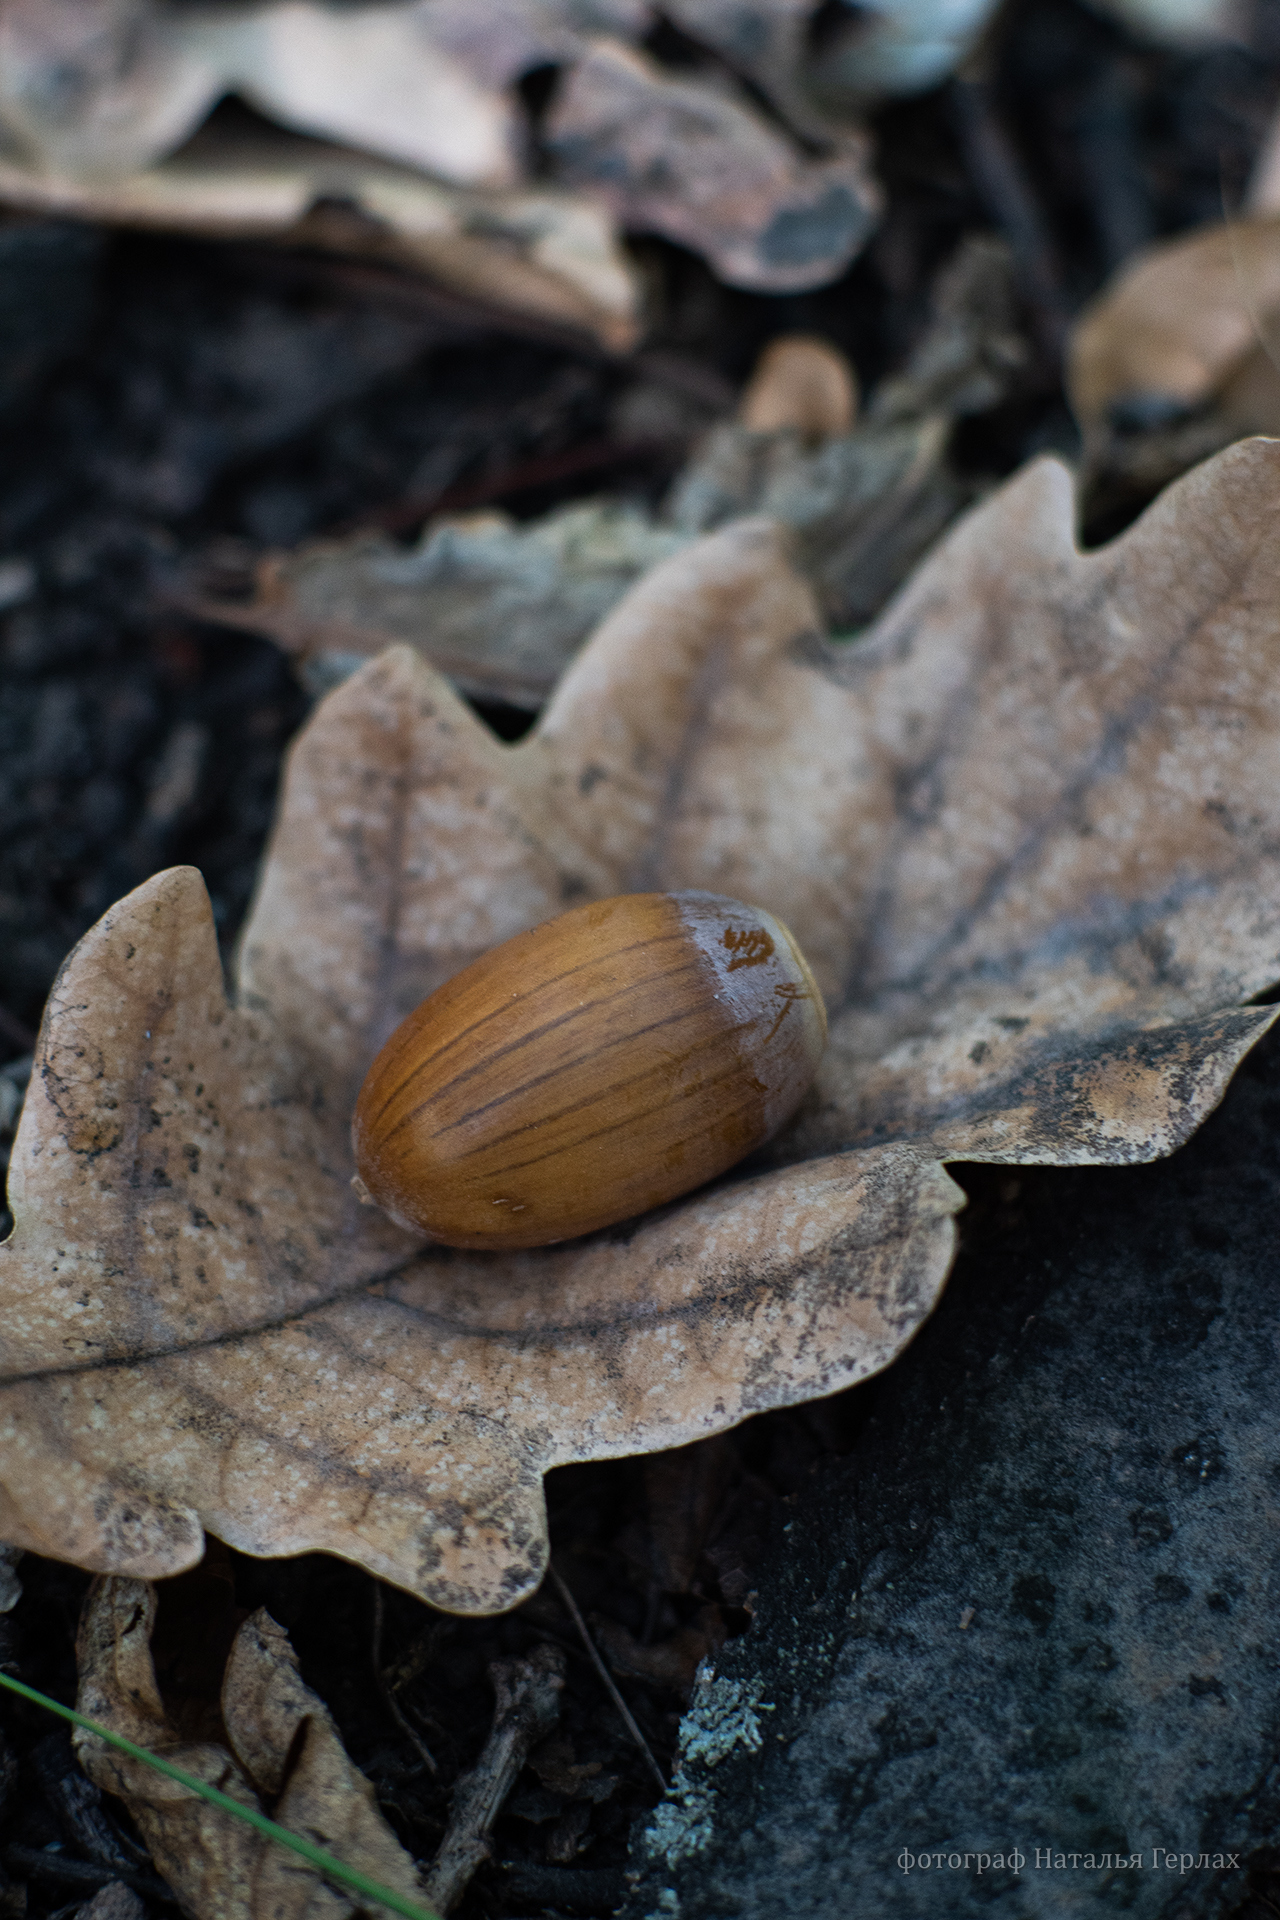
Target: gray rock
1036	1607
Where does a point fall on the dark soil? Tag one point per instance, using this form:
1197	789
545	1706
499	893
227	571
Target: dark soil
170	410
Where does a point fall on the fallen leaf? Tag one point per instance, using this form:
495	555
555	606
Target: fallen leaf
803	384
96	100
283	1753
682	158
864	507
501	608
1177	325
1025	834
545	254
108	88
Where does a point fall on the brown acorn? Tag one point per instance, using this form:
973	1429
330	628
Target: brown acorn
598	1065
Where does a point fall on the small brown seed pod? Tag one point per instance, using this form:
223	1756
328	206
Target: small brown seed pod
598	1065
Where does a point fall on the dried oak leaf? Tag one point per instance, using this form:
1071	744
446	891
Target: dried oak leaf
108	88
1026	833
283	1753
684	158
550	257
1184	323
499	607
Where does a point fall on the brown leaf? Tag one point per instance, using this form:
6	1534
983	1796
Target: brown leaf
536	252
802	383
284	1749
1025	834
1177	322
682	158
499	40
500	608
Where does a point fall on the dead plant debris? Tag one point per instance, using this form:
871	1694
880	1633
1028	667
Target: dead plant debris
1033	891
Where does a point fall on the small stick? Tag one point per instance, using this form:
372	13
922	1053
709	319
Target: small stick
600	1667
527	1694
389	1700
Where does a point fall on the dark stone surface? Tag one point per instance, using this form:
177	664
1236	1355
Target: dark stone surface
1082	1448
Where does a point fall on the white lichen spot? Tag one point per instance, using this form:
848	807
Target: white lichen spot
724	1714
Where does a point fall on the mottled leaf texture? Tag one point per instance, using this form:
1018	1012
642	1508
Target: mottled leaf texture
283	1752
1027	833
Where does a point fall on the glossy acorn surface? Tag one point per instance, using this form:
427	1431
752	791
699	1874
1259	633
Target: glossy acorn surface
593	1067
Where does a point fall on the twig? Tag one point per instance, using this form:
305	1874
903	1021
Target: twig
84	1873
527	1694
389	1700
605	1675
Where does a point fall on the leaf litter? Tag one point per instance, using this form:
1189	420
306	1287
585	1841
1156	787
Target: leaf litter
281	1748
1021	832
416	135
724	1544
502	607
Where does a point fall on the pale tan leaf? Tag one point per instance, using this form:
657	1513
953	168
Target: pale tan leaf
286	1753
801	383
105	87
1024	831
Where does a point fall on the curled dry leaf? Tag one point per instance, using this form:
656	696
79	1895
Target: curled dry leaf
804	384
678	157
1026	834
109	87
501	608
283	1754
1186	322
549	256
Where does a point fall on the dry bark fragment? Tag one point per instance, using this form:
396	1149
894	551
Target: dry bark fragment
1024	834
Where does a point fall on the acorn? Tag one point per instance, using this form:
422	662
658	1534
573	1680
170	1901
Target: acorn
589	1069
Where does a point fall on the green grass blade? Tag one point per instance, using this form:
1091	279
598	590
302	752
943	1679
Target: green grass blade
323	1862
